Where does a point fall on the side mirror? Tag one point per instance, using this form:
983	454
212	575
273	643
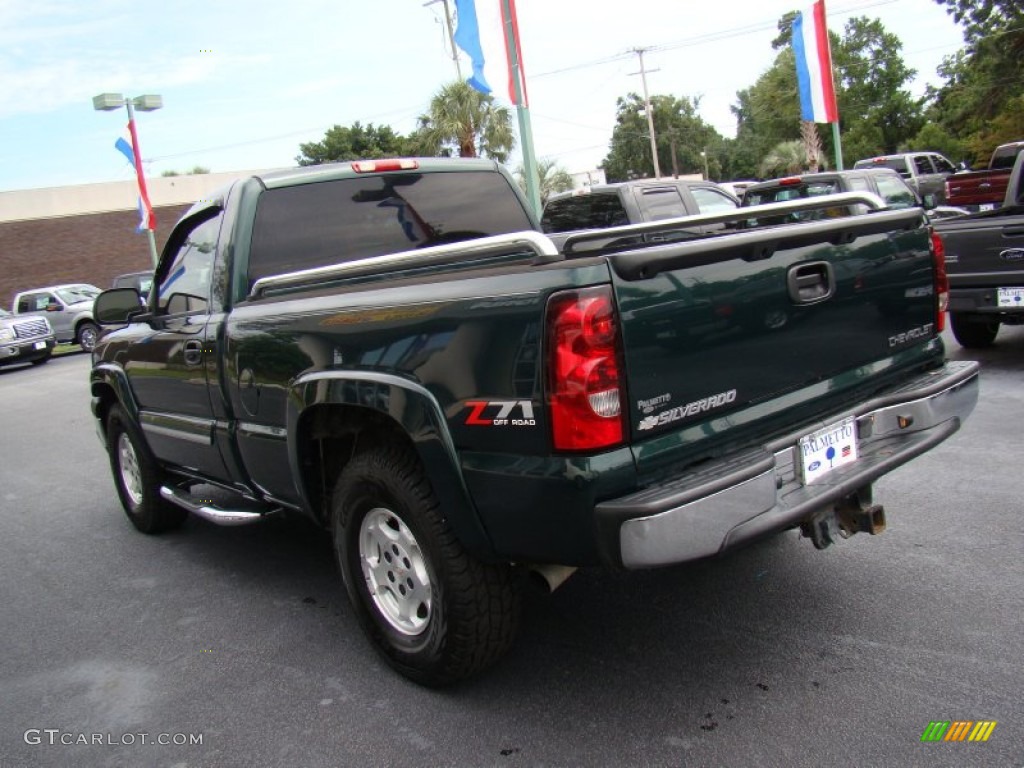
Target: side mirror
117	306
928	202
54	308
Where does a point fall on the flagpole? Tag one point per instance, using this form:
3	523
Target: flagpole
837	142
522	110
154	257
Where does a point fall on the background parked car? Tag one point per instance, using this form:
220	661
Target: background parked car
68	309
737	188
634	202
883	182
924	172
25	339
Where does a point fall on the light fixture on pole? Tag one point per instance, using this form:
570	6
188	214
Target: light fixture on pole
107	102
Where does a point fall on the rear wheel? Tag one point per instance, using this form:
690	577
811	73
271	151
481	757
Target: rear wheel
973	331
435	613
87	335
137	477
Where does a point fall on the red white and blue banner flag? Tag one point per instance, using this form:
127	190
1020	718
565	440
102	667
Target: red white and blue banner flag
480	32
129	147
814	66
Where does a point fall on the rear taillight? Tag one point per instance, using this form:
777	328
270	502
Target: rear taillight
941	282
585	388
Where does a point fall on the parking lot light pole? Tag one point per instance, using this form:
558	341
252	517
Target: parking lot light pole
107	102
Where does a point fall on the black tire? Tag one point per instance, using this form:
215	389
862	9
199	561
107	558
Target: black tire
461	614
973	331
87	335
137	477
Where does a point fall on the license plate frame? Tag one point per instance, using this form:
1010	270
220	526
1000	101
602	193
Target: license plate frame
827	449
1010	297
39	345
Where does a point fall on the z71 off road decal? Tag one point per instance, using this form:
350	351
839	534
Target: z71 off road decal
500	413
690	409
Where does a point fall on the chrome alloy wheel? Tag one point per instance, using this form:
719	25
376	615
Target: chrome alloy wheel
395	570
131	474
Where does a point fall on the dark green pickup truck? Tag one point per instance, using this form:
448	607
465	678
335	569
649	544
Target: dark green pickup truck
395	350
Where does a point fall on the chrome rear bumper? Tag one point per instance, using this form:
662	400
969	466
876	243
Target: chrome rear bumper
743	497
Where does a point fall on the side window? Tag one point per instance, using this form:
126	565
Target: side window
38	302
33	302
712	201
660	203
857	184
895	193
923	165
942	165
185	285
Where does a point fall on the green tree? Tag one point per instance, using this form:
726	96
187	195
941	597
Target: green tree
785	159
983	18
872	87
356	142
767	114
194	171
935	138
982	99
681	137
465	122
552	179
876	111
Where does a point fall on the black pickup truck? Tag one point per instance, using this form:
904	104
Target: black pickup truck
393	349
984	255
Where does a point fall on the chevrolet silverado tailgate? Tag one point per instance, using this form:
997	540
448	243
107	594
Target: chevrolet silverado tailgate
778	316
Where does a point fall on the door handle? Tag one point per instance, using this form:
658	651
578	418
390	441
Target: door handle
193	352
811	282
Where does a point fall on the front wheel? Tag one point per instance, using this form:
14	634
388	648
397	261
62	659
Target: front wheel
973	331
436	613
87	335
137	477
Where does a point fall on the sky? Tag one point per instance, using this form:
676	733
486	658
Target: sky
245	83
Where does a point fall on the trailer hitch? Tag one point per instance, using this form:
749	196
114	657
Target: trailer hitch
853	514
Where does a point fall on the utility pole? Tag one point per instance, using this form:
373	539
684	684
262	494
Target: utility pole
451	34
650	116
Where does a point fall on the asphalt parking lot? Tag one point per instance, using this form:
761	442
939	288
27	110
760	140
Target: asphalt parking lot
240	638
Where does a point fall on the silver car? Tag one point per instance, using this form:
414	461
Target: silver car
67	307
25	340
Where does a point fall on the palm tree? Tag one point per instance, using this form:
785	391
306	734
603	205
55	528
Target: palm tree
812	144
787	157
463	119
551	178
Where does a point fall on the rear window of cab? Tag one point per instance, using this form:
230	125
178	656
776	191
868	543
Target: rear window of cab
782	193
593	210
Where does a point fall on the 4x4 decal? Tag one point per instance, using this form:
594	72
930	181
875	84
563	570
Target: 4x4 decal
498	413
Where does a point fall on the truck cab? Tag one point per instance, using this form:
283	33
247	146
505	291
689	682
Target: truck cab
924	172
